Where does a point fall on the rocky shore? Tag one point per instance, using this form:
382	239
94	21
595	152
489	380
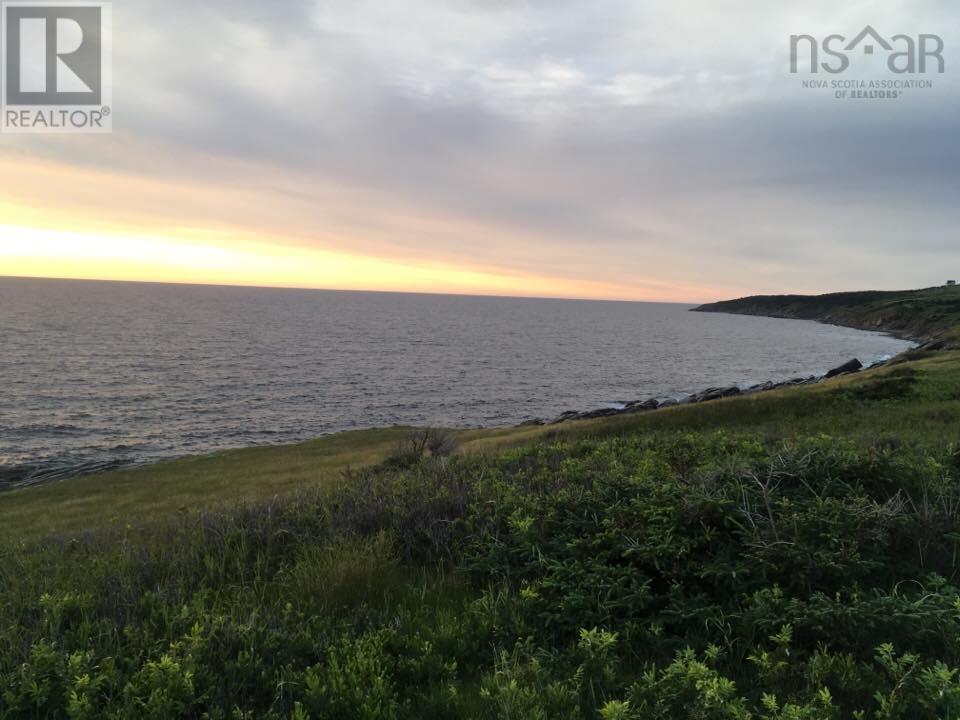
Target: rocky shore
24	475
718	393
927	317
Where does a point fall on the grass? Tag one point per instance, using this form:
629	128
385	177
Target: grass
132	495
120	497
790	555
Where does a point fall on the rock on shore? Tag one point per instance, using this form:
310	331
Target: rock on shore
848	367
708	395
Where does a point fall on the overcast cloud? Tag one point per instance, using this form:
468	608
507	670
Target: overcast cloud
603	140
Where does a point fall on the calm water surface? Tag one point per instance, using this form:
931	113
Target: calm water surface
96	372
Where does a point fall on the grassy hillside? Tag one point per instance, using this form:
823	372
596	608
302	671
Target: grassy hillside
792	554
933	313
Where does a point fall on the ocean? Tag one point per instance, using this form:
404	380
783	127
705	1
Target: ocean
96	374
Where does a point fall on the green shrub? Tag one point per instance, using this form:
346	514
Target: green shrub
355	682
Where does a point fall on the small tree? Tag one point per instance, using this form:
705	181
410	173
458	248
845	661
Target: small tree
428	442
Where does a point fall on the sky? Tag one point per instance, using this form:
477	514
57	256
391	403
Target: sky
611	149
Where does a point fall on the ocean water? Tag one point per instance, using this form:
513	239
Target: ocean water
95	373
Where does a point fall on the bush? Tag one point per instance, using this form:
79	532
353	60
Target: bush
419	444
355	682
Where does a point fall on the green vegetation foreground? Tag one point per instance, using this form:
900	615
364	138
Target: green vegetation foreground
786	555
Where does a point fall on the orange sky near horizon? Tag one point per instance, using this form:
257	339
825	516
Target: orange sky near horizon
156	234
644	153
33	252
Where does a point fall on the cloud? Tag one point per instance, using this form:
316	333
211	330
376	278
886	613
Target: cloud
611	140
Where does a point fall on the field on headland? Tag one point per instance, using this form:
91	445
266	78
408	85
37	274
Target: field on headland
915	314
789	554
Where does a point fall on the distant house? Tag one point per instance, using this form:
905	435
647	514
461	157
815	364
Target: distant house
951	282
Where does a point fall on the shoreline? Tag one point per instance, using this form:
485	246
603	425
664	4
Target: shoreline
922	342
28	475
41	473
918	340
925	317
851	367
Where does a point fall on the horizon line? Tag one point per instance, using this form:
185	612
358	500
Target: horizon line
345	290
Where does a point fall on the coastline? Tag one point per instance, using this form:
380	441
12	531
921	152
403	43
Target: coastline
25	476
852	366
927	316
923	344
839	309
904	315
864	405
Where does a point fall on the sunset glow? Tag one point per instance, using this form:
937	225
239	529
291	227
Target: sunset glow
611	162
31	252
109	227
